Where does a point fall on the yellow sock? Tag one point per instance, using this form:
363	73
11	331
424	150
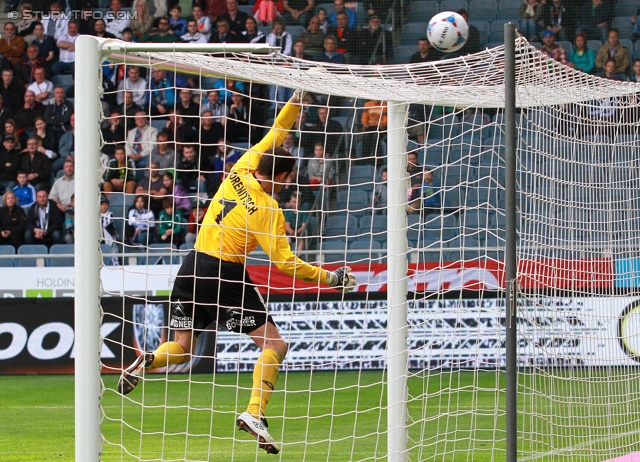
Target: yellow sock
265	375
169	353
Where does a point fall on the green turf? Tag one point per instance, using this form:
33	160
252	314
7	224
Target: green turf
452	417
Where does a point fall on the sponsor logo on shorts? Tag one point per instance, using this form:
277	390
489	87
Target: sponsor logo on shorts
179	319
247	321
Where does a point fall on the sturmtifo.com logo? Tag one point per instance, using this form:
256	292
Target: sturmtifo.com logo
72	14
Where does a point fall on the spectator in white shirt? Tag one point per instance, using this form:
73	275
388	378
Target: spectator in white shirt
204	23
136	85
192	35
67	45
54	23
42	88
115	19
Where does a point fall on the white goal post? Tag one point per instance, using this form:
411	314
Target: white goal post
444	287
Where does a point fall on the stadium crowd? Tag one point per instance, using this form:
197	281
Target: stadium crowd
169	139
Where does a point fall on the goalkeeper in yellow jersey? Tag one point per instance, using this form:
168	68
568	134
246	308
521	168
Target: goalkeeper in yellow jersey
213	285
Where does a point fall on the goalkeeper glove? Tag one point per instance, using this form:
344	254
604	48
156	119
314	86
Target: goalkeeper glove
299	94
342	279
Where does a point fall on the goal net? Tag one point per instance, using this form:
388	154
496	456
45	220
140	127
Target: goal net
402	163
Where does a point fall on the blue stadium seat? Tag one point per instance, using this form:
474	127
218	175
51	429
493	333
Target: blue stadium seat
341	225
454	5
112	260
333	251
509	13
624	26
61	249
374	224
360	175
64	80
295	31
328	7
497	30
413	31
423	10
32	249
248	9
595	45
484	10
364	251
402	53
356	202
154	257
484	27
626	9
7	262
568	46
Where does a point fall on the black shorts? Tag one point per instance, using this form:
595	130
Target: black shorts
208	290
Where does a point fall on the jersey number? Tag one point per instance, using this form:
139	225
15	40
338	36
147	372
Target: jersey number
227	206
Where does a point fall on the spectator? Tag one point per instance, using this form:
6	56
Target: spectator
610	71
58	115
66	146
152	187
27	68
215	9
160	34
10	163
280	38
237	19
119	175
635	75
560	19
224	154
239	120
378	7
5	113
109	232
380	194
204	23
531	14
41	88
44	221
303	132
163	153
193	35
189	171
140	141
613	49
330	55
140	229
296	218
113	134
170	225
86	21
48	140
128	107
252	34
177	192
472	45
55	23
582	57
427	198
425	53
328	131
595	19
25	193
162	94
12	46
36	165
69	223
226	87
313	37
351	15
26	115
300	52
320	170
47	48
142	23
210	133
135	84
177	23
178	131
195	221
323	20
64	187
415	172
188	109
10	128
116	21
346	38
297	12
67	45
552	49
375	45
635	34
291	144
223	33
12	91
374	122
218	109
13	221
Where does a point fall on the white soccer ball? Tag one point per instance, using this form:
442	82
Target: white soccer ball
447	31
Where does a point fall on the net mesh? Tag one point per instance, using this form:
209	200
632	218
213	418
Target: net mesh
577	247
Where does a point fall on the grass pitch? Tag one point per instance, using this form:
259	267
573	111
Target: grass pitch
453	416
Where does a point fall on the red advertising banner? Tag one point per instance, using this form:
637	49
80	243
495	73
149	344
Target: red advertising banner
465	275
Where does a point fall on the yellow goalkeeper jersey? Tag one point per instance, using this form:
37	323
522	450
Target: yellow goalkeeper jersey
242	215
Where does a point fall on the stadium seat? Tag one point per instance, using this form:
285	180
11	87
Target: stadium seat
624	26
155	257
484	27
356	202
341	225
374	224
568	46
64	80
61	249
32	249
333	251
497	30
411	32
360	175
595	45
112	260
248	9
423	10
328	7
453	5
626	9
402	53
508	13
364	251
158	124
7	262
295	31
484	10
